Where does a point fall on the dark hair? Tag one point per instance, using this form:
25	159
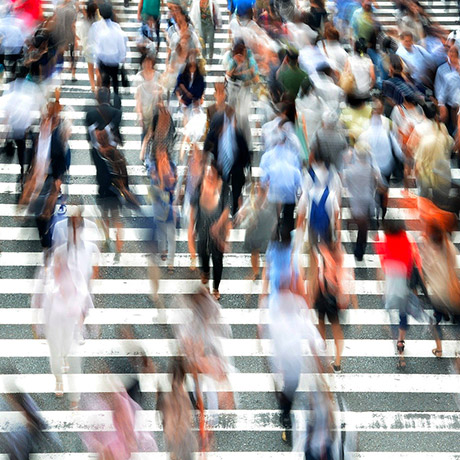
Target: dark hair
106	10
287	107
149	57
238	47
396	63
360	46
292	56
91	10
430	110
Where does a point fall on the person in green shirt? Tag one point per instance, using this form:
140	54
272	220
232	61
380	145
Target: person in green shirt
148	9
291	76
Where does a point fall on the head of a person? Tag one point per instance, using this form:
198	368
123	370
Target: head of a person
389	45
148	62
360	46
175	8
407	40
91	10
292	57
452	54
106	10
219	92
331	33
239	51
191	66
366	5
330	120
410	100
287	111
377	106
430	110
103	95
394	227
396	66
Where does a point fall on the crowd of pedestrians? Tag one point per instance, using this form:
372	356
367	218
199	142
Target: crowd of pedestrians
348	112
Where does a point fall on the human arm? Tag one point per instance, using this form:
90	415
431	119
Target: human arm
139	10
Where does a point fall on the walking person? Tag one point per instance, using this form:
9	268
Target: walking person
206	17
209	220
361	180
109	45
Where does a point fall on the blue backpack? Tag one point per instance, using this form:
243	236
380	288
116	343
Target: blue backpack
320	221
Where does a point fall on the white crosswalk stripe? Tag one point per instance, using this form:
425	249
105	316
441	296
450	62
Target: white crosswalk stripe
391	413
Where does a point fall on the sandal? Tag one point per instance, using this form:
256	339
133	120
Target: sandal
437	353
204	278
170	269
401	363
216	294
400	346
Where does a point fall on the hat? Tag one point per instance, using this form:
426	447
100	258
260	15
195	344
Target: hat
106	10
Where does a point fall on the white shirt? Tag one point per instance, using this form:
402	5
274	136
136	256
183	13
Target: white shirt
11	34
21	104
313	190
109	40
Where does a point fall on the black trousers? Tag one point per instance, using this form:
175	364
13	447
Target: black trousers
207	248
237	183
109	73
21	148
361	240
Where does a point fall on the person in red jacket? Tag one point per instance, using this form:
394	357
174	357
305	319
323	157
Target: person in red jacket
398	256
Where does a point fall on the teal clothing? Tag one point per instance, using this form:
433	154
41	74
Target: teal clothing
151	8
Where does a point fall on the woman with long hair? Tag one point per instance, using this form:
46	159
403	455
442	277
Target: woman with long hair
209	220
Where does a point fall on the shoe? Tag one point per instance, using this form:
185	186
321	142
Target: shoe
437	353
400	346
216	294
204	278
126	3
335	368
59	392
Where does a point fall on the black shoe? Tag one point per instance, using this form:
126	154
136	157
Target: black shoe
358	257
126	3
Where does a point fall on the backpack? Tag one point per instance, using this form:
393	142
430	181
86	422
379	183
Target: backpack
319	220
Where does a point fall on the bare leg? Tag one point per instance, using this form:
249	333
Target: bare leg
338	340
91	76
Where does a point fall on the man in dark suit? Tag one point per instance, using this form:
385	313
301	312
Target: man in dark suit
227	144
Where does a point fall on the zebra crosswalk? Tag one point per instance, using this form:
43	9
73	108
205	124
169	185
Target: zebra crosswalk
410	415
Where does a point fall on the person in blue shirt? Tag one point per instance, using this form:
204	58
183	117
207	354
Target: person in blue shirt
447	89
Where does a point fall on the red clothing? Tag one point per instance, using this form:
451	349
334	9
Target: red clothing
398	248
29	10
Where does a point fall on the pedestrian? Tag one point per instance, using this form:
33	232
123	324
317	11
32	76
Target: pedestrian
109	45
209	221
362	179
226	142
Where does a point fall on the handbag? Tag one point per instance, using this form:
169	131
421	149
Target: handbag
347	81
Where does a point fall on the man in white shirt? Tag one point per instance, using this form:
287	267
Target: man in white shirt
110	46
